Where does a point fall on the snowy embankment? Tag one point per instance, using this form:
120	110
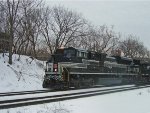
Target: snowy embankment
25	74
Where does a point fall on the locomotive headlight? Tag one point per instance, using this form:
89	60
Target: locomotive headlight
55	67
55	70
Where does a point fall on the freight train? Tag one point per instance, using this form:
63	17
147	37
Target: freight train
72	67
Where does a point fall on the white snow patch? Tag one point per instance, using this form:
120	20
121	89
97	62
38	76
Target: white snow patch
25	74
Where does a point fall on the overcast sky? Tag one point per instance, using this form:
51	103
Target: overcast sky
127	16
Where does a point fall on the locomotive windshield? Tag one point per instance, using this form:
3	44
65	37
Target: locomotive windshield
69	53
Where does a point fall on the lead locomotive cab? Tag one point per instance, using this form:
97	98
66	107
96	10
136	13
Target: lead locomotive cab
72	67
57	73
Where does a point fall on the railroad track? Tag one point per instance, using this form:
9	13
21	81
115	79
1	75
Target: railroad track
44	91
5	104
36	92
24	92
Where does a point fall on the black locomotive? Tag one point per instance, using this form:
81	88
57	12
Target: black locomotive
72	67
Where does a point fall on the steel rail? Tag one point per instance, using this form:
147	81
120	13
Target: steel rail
24	92
49	90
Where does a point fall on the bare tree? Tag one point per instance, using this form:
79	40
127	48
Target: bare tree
27	23
30	25
46	29
132	47
102	39
11	12
62	25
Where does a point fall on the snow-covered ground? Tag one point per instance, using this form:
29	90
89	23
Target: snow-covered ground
25	74
136	101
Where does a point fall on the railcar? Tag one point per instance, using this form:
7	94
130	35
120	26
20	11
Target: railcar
72	67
